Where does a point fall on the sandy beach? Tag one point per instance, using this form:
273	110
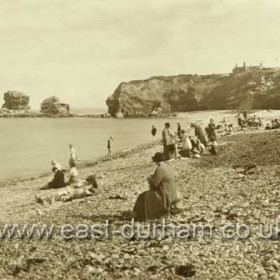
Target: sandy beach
239	186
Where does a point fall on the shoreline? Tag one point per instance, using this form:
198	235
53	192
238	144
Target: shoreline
238	186
123	153
87	164
107	116
81	165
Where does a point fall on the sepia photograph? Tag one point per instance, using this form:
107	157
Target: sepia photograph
139	139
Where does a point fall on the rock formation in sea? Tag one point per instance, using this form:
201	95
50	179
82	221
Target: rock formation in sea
245	88
53	107
15	101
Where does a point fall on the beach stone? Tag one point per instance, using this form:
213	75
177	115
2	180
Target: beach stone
52	106
15	100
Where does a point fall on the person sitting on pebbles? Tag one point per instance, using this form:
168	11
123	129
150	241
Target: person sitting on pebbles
71	192
73	177
162	198
57	182
54	163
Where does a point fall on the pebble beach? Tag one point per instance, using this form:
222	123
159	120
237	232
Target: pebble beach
239	186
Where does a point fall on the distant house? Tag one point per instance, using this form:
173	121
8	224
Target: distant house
245	68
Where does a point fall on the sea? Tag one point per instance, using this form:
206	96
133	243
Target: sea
27	145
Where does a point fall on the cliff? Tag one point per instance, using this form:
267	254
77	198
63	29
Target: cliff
253	88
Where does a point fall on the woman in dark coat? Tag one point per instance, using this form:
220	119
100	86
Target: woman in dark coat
199	133
161	199
57	182
212	136
211	131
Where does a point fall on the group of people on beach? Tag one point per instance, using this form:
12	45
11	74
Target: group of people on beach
73	187
183	145
274	124
245	120
162	198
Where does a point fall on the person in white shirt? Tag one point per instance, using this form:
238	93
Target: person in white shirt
73	174
73	156
186	144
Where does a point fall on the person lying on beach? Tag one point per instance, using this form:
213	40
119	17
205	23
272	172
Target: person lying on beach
71	192
65	195
162	198
57	182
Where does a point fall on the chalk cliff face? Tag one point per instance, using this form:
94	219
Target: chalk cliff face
16	101
52	106
256	88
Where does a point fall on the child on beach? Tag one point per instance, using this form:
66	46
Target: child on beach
73	156
109	146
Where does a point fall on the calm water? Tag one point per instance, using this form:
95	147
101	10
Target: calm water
28	145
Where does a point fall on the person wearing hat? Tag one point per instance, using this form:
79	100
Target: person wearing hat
57	182
169	142
54	163
160	200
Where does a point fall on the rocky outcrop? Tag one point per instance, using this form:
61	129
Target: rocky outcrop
15	101
52	107
256	88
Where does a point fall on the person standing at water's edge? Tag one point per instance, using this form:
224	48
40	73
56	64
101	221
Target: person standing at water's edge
110	139
154	131
73	156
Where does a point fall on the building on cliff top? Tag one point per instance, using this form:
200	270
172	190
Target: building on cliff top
245	68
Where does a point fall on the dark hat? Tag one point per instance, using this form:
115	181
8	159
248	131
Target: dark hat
54	169
158	157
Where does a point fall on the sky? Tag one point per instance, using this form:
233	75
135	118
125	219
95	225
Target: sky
80	51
